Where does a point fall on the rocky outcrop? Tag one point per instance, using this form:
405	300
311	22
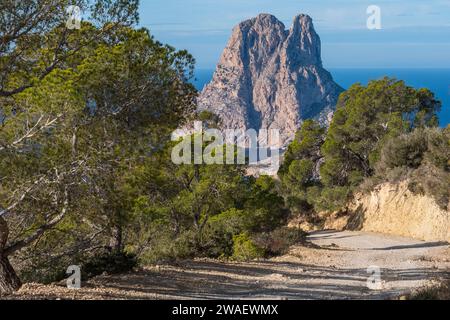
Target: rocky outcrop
393	209
271	78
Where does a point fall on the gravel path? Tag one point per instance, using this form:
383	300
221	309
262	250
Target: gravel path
333	266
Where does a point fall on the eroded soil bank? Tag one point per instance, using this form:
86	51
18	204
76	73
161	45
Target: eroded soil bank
393	209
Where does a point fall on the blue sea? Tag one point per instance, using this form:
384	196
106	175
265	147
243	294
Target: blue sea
437	80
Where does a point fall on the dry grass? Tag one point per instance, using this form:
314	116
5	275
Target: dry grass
438	292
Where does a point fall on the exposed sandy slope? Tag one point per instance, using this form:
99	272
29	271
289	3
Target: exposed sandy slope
393	209
333	267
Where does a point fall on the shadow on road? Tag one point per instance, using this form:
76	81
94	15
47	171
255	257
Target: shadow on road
275	280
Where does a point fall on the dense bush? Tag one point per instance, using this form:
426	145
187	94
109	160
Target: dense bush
422	157
165	246
406	150
245	249
265	244
279	240
218	236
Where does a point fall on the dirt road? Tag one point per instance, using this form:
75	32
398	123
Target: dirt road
333	266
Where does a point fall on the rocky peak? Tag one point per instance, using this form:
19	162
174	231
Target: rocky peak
303	43
272	78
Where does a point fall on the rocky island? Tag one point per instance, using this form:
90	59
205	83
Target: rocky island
271	78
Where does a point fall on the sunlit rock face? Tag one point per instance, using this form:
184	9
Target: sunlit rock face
271	78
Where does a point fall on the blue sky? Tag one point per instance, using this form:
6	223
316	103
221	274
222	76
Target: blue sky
414	33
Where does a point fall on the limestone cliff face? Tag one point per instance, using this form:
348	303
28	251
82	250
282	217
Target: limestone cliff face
271	78
393	209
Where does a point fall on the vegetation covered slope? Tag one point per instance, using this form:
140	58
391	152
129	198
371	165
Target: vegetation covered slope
383	133
374	131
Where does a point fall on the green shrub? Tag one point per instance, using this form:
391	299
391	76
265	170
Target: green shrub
217	237
244	249
329	198
406	150
166	246
422	158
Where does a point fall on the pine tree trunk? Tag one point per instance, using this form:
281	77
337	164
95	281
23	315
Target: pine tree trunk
9	281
